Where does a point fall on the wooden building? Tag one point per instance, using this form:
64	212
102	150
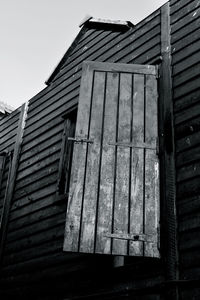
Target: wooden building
114	140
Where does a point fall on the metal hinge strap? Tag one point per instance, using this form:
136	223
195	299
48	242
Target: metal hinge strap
133	237
80	140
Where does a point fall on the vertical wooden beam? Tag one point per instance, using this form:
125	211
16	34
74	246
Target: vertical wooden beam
11	180
168	177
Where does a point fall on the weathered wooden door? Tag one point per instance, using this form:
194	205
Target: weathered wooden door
113	205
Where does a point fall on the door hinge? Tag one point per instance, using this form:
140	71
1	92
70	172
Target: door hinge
80	140
133	237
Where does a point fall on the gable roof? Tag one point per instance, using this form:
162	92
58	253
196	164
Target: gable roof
88	23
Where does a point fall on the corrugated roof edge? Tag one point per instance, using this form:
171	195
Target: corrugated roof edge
89	22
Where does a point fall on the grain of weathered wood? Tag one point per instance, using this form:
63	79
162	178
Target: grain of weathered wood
71	242
90	198
91	185
104	217
151	205
121	201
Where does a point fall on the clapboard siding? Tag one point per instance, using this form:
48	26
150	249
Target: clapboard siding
33	250
8	133
185	21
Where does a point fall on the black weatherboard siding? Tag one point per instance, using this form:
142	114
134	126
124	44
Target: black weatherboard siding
33	264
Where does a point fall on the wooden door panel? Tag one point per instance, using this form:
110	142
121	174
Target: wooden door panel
114	188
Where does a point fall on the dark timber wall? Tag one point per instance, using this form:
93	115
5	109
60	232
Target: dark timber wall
185	28
34	265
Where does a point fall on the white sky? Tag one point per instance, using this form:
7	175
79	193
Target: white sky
35	34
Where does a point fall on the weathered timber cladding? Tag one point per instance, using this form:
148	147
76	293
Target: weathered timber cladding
34	264
185	39
33	251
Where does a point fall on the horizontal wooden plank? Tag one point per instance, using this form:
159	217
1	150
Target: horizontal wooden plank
33	240
8	146
35	196
187	88
187	100
186	29
38	227
187	127
177	5
48	248
6	138
39	156
33	217
9	128
188	172
189	223
188	142
41	262
42	146
27	146
183	10
187	75
42	118
10	118
186	46
188	240
38	185
189	17
57	94
188	188
189	206
44	163
187	114
130	56
187	63
37	175
189	156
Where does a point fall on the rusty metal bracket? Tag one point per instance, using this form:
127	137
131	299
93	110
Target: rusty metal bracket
80	140
133	237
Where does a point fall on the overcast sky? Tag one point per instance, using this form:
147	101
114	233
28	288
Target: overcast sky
34	35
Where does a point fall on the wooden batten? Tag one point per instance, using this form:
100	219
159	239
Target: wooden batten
168	177
11	179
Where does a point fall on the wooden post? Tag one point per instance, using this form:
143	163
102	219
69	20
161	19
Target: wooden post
11	180
168	179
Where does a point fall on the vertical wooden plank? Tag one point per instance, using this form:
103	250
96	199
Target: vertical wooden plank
74	208
91	191
11	179
151	220
151	110
152	198
123	165
104	222
168	205
137	172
